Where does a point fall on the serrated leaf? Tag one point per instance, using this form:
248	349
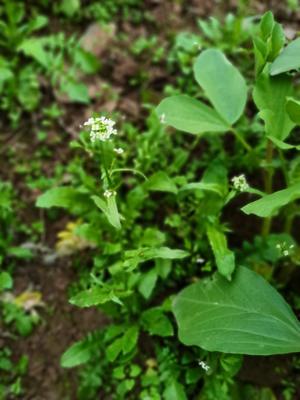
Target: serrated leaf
245	316
91	297
271	203
223	84
189	115
288	59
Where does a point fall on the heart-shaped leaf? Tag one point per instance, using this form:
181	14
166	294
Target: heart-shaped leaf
245	316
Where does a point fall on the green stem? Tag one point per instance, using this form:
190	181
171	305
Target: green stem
240	138
268	181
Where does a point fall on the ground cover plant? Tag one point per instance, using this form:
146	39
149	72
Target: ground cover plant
179	222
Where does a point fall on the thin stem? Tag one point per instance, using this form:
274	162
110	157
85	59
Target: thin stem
240	138
268	182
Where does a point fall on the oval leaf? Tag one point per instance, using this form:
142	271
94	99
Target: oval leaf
78	353
288	59
190	115
269	204
246	316
222	83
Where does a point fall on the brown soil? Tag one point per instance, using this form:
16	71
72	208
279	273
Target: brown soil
62	324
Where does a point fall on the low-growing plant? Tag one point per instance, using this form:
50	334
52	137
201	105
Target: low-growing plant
26	56
157	209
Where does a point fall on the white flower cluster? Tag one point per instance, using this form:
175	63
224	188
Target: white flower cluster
240	183
101	128
204	366
284	248
109	193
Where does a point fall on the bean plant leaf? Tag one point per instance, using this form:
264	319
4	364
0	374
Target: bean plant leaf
223	84
190	115
271	203
225	259
288	59
270	96
245	316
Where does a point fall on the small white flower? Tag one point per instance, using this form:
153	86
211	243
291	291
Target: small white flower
204	366
284	248
200	260
118	150
240	183
163	118
101	128
109	193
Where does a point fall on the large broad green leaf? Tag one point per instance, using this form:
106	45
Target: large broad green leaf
270	96
288	59
223	84
271	203
190	115
245	316
225	259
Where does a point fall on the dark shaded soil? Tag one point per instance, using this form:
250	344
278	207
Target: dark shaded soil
62	324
